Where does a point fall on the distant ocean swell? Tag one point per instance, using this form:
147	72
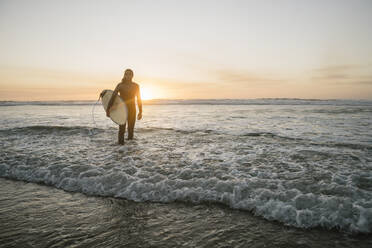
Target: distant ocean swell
299	187
263	101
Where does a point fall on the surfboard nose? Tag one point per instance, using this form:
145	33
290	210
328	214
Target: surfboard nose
103	93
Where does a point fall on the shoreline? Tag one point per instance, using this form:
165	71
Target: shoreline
143	224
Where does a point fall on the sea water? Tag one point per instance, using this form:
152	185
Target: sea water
301	163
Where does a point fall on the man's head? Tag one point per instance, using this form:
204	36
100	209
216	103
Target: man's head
128	75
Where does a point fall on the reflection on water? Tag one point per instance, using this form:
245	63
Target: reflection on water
34	215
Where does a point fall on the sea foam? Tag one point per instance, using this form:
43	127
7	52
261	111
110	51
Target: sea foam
293	164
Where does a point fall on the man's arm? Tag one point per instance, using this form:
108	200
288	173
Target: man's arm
139	103
114	94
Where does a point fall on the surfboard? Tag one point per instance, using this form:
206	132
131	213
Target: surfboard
118	111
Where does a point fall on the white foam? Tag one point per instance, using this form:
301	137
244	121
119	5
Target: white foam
300	182
289	206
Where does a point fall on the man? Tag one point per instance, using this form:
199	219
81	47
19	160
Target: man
128	90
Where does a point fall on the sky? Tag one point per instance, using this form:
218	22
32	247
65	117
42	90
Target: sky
73	49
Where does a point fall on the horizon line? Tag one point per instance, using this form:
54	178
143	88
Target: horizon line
206	99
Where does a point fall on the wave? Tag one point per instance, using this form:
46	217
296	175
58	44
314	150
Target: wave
342	145
44	129
263	101
52	129
263	196
353	110
86	130
45	103
300	187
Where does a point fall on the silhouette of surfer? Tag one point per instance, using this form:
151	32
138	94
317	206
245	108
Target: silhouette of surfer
128	91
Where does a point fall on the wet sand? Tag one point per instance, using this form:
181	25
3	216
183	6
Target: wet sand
33	215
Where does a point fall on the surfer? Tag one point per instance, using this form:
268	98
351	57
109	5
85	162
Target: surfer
128	91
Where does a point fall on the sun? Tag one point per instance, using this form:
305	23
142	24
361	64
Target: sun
146	94
149	92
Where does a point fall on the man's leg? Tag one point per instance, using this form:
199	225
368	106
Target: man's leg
131	123
121	134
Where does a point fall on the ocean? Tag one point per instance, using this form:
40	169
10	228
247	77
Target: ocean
226	173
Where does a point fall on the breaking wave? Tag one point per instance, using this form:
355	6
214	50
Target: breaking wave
293	181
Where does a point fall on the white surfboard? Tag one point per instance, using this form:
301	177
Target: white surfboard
118	111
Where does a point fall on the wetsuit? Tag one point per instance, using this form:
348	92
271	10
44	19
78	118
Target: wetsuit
128	92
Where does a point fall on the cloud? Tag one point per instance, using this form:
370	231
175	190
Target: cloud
176	84
332	76
368	81
35	77
231	76
227	75
343	74
338	68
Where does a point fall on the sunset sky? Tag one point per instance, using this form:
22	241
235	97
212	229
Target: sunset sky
72	50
